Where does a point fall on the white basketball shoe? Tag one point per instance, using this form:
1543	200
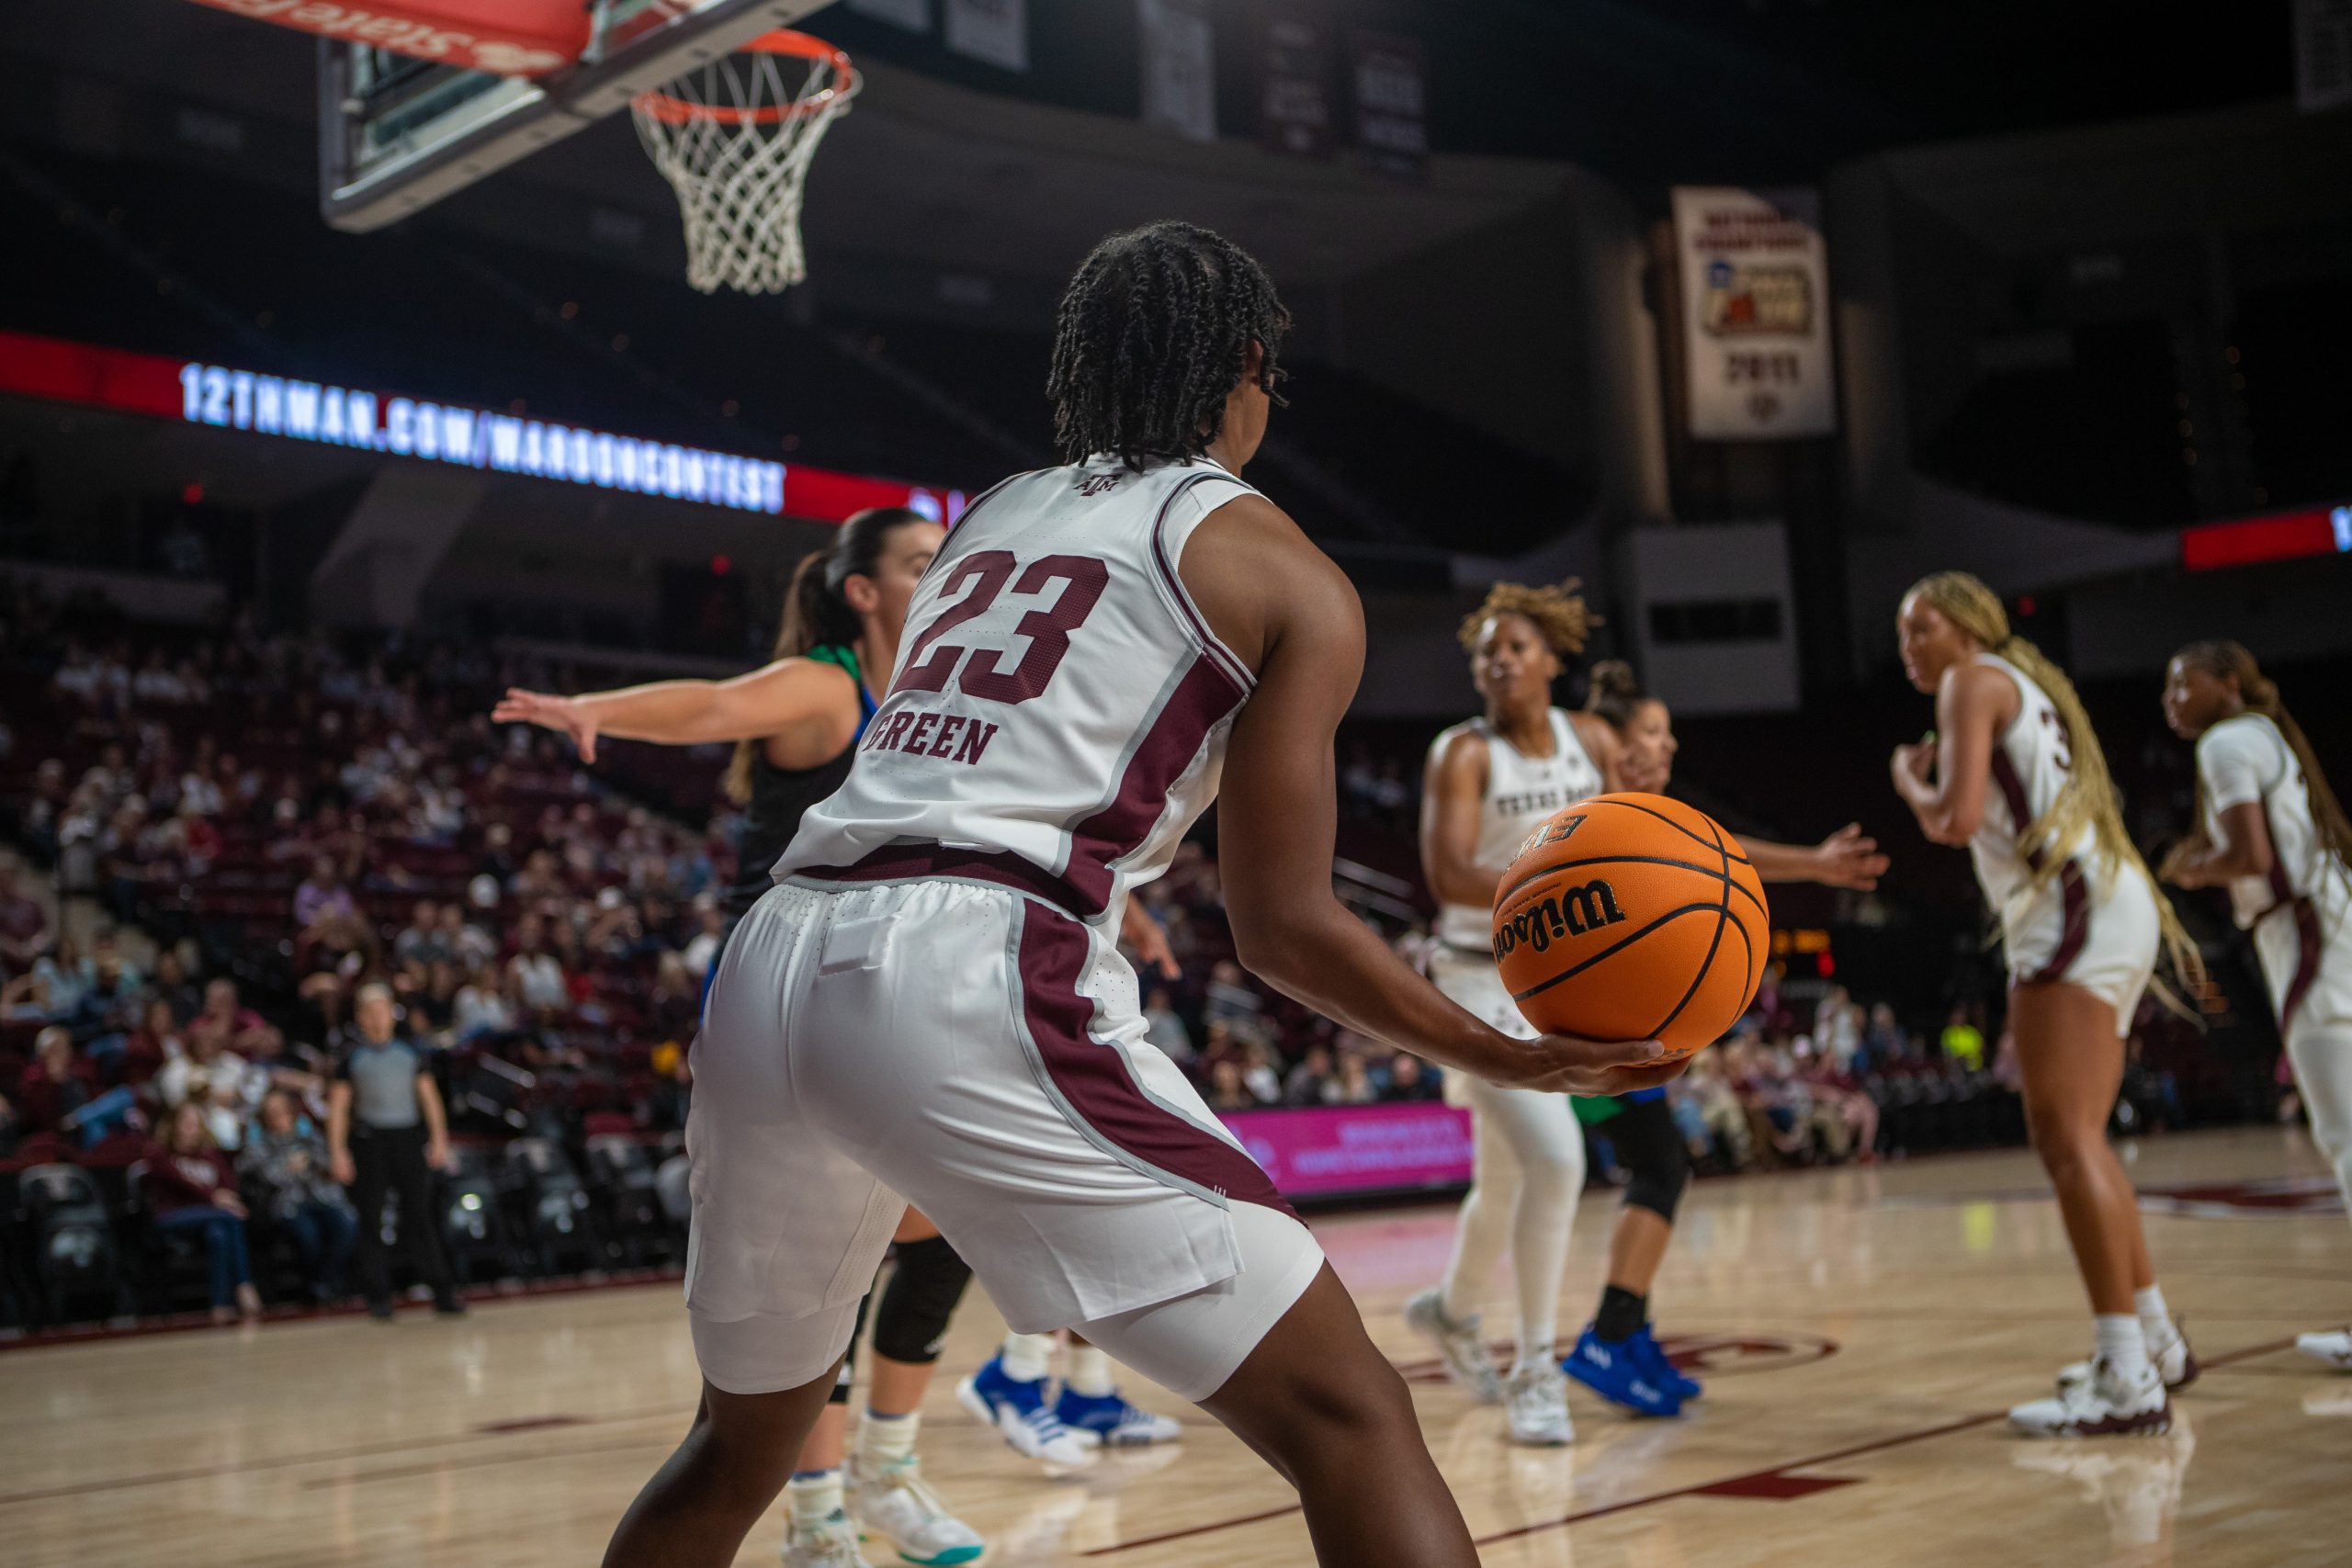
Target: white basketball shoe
1536	1406
2100	1405
1458	1342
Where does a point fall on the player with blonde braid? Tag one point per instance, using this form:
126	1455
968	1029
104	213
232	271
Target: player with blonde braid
2014	772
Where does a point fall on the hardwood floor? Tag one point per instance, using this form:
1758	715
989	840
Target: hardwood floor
1860	1332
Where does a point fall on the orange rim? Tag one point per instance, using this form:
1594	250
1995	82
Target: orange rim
670	109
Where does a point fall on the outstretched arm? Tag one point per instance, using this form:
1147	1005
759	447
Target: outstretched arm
788	695
1283	606
1848	858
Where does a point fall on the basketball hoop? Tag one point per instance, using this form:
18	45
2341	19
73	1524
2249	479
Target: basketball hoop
734	138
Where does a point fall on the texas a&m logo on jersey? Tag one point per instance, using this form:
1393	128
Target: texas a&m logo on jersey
1099	484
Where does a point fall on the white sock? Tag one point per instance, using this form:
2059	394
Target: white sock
1536	1347
883	1439
2156	1317
1090	1373
814	1497
1027	1356
2124	1345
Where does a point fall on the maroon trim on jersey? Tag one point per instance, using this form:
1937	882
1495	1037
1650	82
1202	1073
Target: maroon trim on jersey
2309	944
2308	950
1234	669
1201	698
2074	930
917	863
2074	893
2004	776
1093	1080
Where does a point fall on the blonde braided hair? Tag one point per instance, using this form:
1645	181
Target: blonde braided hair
2088	798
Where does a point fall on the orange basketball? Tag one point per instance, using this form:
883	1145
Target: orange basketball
1632	916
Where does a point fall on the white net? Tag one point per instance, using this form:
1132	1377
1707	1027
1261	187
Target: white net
734	138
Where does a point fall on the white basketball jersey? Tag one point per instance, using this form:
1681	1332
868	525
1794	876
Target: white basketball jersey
1522	791
1060	710
2245	759
2030	765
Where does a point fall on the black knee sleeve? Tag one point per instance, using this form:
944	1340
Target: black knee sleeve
1650	1147
919	1299
848	1373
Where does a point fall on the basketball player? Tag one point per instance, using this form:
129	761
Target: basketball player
2014	772
2269	830
796	722
930	1003
1617	1356
1488	783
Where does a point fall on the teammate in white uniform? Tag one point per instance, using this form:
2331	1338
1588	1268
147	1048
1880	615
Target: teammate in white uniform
931	1008
2015	772
1488	784
2269	830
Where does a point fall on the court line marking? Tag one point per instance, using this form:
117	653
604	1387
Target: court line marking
1875	1445
325	1456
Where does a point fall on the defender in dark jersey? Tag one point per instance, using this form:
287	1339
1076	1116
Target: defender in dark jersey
797	721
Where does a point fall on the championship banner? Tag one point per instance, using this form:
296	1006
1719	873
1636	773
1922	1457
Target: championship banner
1754	308
1179	68
993	30
1392	105
1294	109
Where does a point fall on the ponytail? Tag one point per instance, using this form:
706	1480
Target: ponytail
2088	797
2227	660
1614	693
817	614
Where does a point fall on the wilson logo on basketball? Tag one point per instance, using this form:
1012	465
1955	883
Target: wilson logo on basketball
1570	913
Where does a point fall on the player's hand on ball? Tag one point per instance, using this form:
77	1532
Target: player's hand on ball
519	706
1562	1064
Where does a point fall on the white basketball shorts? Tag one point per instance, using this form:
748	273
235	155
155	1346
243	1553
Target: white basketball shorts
977	1053
1471	980
2085	929
2306	955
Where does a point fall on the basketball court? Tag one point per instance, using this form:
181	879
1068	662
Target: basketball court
1861	1332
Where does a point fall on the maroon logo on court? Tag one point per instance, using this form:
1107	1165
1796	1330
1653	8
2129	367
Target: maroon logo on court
1097	484
1708	1355
2226	1199
1729	1355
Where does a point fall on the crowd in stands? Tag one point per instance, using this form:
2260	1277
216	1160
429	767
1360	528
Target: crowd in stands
244	828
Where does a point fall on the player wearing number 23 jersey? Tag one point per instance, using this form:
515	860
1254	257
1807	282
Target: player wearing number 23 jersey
930	1006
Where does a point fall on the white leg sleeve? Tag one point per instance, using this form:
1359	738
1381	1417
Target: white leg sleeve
2322	1054
1537	1135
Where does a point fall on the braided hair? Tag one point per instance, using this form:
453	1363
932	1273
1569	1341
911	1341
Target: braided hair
2227	660
2089	799
1152	336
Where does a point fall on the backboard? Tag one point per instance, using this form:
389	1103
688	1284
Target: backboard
398	133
